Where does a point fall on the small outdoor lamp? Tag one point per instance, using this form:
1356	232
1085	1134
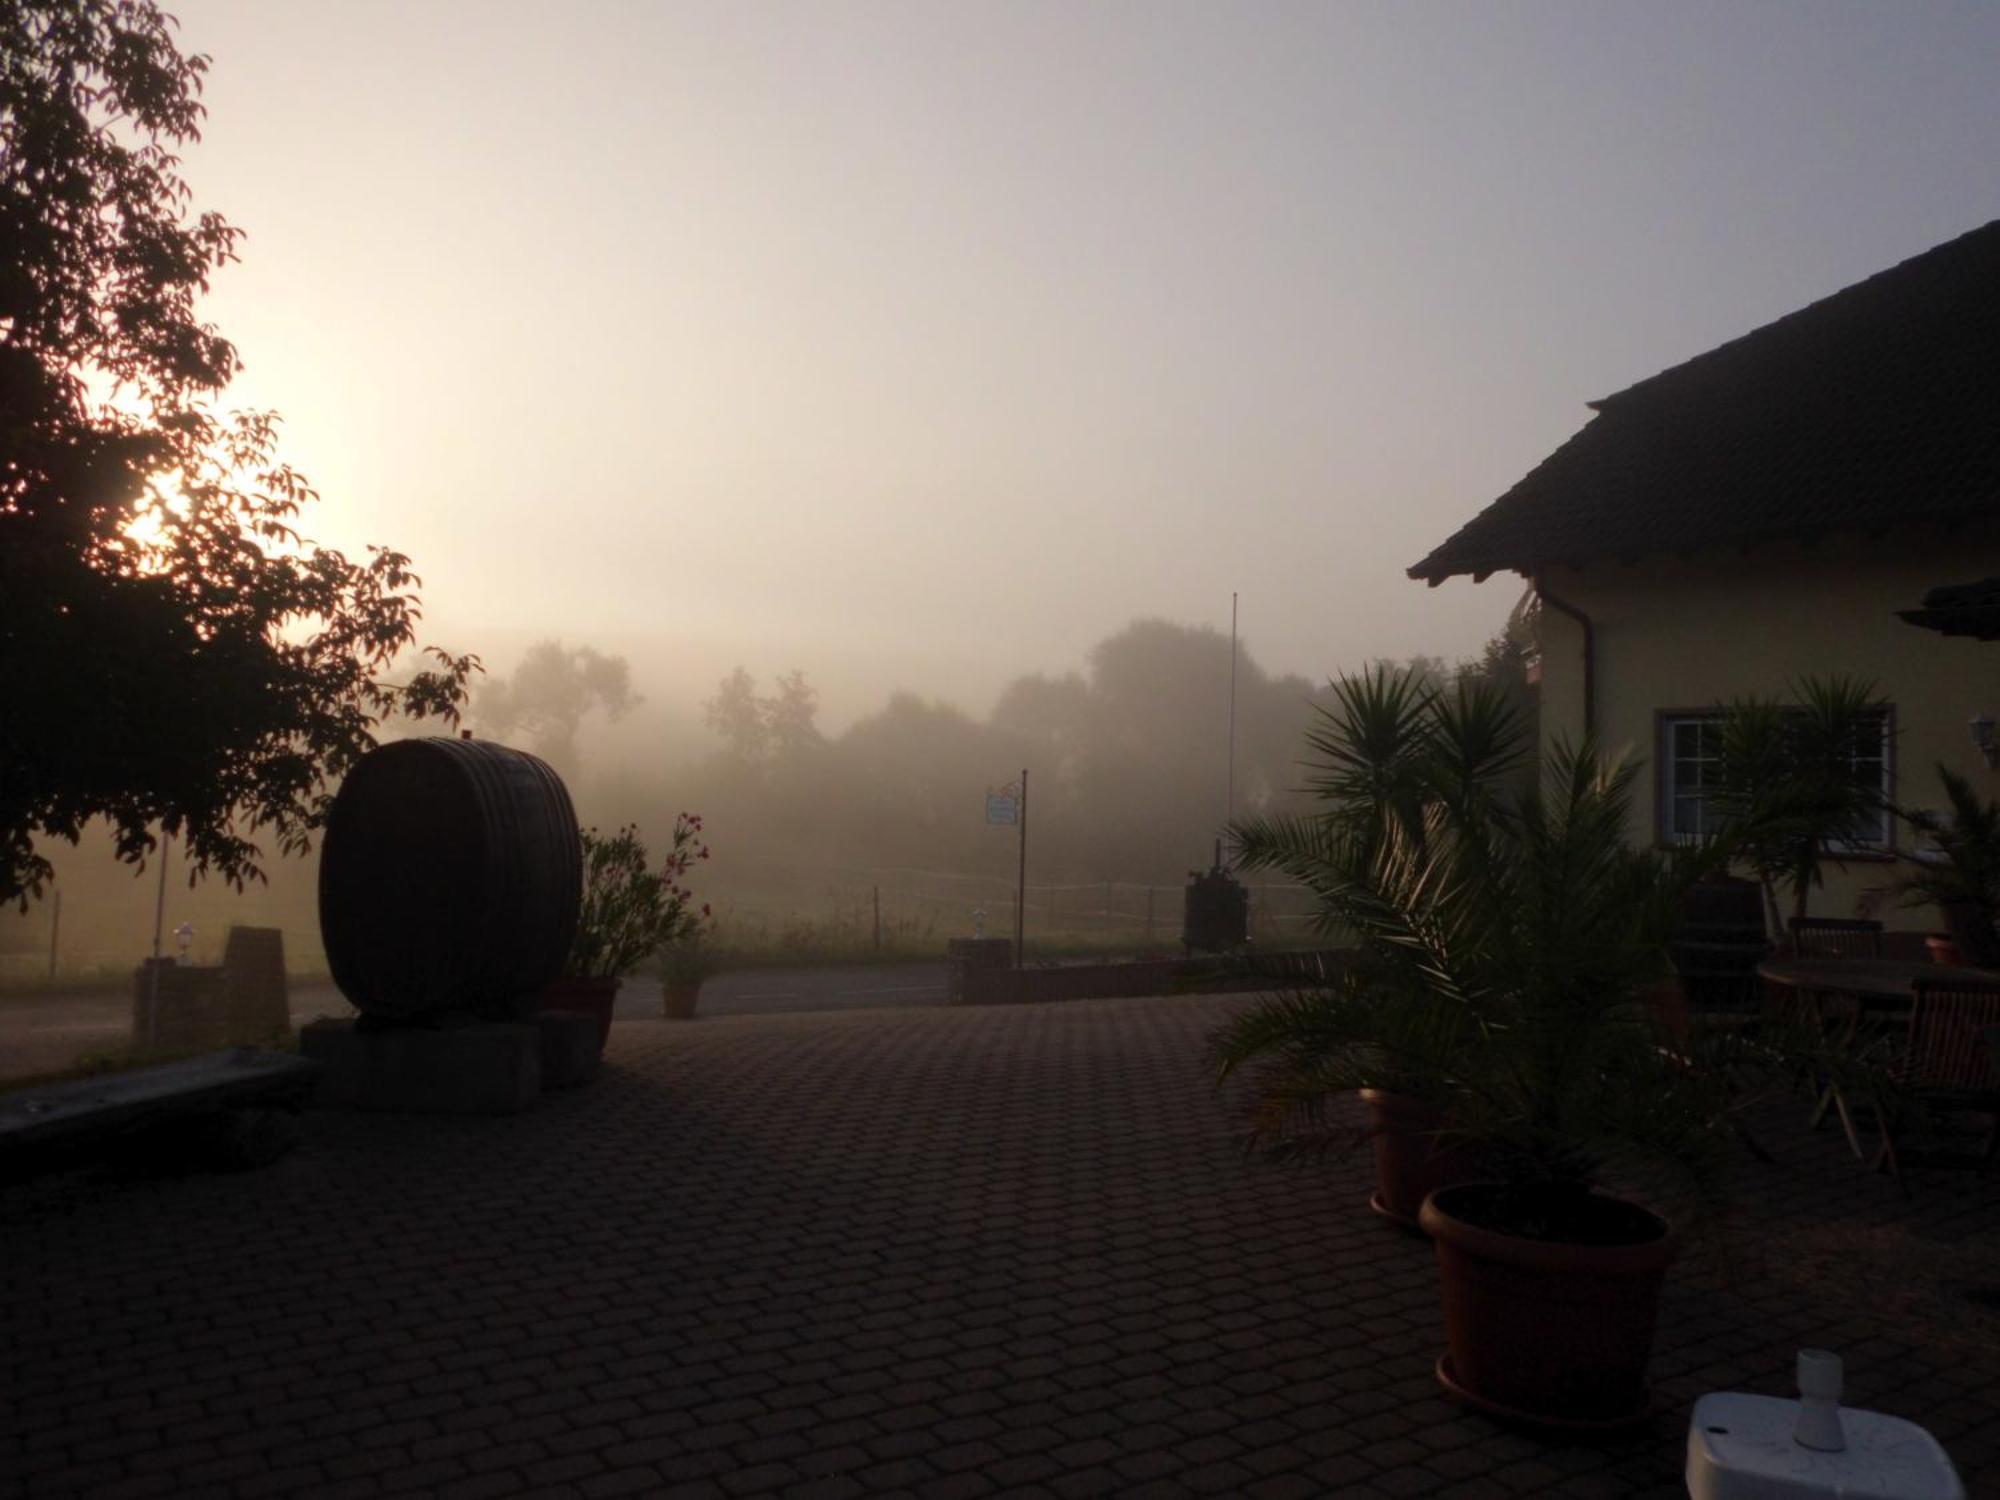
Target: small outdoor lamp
1982	736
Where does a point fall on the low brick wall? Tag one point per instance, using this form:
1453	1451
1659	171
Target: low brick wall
1111	981
190	1011
240	1001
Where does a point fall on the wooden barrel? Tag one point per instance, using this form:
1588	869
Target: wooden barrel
449	880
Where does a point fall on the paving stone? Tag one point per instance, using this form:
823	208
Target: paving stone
940	1253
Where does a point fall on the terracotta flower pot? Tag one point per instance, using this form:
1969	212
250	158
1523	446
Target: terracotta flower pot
1552	1332
1943	949
1409	1163
591	997
1971	929
680	1000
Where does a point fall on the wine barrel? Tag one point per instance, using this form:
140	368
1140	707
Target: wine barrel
449	880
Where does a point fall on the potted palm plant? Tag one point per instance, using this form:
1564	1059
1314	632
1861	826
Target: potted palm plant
1786	777
1508	952
1392	742
1956	869
629	912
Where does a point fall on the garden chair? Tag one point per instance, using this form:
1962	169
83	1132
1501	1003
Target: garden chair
1835	937
1950	1063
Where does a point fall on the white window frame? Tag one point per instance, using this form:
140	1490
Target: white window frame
1679	730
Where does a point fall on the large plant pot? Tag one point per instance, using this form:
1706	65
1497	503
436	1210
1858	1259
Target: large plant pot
592	997
1553	1333
1972	932
1409	1163
1943	949
680	1000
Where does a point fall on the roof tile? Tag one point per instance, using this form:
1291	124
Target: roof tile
1875	406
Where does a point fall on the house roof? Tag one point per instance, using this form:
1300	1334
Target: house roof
1873	407
1961	609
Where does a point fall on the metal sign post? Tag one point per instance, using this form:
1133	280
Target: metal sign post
1009	804
1229	794
1021	879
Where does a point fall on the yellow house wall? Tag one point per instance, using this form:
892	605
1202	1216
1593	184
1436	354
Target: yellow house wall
1690	633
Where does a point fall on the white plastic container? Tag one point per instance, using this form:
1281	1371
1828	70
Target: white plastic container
1745	1447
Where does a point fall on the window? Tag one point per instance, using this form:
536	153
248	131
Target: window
1690	755
1690	768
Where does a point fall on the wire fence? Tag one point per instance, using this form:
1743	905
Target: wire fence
785	909
104	939
894	900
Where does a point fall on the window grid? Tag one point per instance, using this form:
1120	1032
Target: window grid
1691	759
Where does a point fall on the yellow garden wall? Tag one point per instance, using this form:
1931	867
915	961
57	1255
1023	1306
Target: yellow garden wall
1689	633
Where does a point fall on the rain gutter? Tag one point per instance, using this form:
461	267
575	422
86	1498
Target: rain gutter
1589	650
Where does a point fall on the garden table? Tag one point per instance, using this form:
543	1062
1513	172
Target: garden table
1876	983
1883	987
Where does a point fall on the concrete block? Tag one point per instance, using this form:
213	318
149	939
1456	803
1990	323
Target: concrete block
571	1047
239	1002
967	961
481	1069
178	1006
253	969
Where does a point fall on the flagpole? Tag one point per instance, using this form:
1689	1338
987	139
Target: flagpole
1229	797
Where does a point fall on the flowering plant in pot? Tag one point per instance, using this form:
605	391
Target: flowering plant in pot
630	911
1509	950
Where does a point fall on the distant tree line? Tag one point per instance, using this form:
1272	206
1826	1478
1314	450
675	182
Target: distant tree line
1128	762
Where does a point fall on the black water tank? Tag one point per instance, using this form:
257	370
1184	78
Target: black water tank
449	880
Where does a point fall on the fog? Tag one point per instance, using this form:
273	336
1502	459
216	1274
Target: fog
1137	752
916	346
924	349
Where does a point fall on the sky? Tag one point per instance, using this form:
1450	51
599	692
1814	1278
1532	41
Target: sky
926	344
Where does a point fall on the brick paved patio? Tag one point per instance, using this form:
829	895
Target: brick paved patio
929	1252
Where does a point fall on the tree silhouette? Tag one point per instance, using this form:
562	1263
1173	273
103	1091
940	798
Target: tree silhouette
737	714
789	715
549	694
177	655
756	729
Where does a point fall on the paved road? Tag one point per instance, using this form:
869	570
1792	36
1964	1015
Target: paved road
755	992
47	1032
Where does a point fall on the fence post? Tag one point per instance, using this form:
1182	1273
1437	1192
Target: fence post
878	918
55	931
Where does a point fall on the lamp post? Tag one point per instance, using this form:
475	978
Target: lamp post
159	925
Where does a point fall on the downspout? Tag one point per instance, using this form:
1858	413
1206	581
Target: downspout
1589	651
